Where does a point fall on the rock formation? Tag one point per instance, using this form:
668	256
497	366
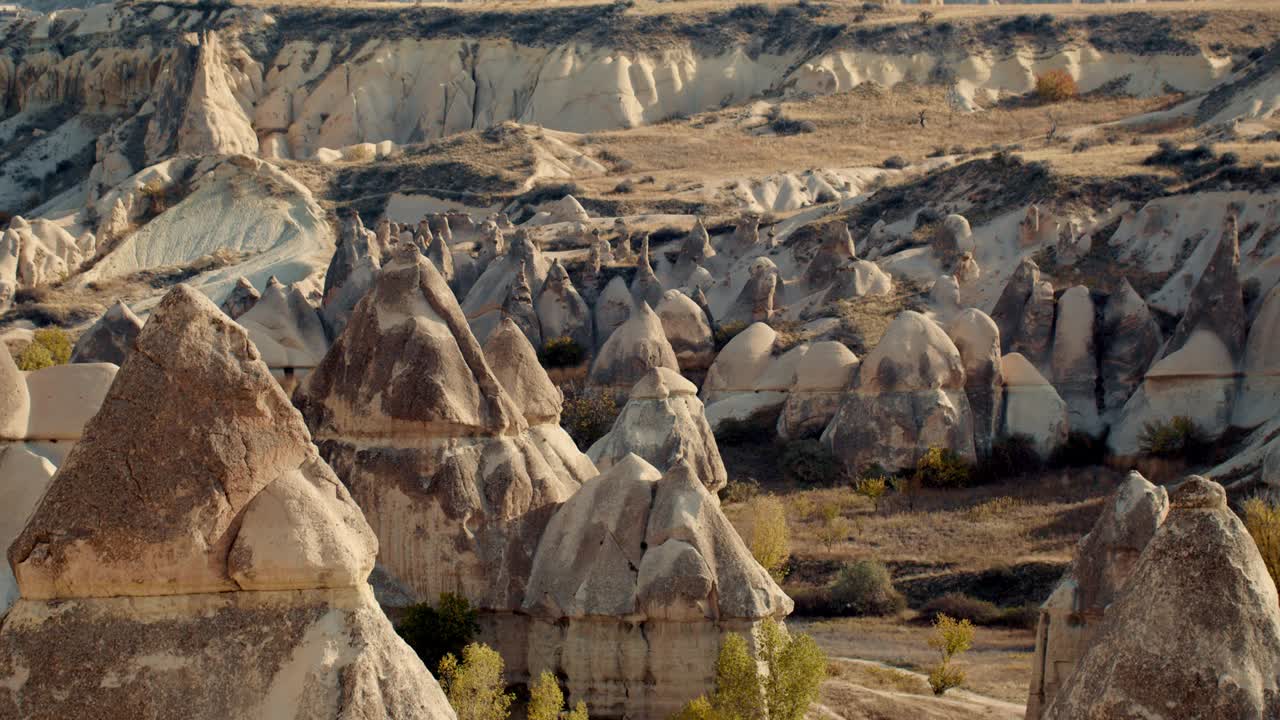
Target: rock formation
1217	301
836	250
739	363
1032	407
1193	633
1033	337
1010	306
688	330
409	414
561	310
214	122
356	261
1103	561
645	286
966	271
663	423
9	250
745	237
242	298
635	348
822	376
1075	359
286	329
244	528
483	303
858	278
755	303
519	307
953	239
907	397
110	339
696	249
642	575
978	340
1259	398
1131	339
612	309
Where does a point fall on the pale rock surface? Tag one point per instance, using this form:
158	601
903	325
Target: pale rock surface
408	412
1131	340
9	250
612	309
1102	563
1075	359
742	360
64	398
285	328
1032	407
907	397
1194	632
836	250
645	286
1009	307
158	604
663	423
643	575
242	298
356	261
1259	398
967	272
1033	337
755	302
856	279
944	298
214	122
978	341
1217	301
745	237
15	400
519	308
110	339
483	302
24	477
822	376
688	330
636	347
954	238
695	250
561	310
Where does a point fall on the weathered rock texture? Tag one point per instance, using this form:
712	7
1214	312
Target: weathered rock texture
635	583
1032	407
1131	340
192	517
636	347
1194	633
1104	559
978	340
414	421
241	299
1075	359
561	310
822	376
663	422
908	397
110	338
688	329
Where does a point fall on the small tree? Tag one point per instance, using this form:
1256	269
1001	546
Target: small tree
1055	86
434	632
474	686
866	588
49	346
737	681
546	701
770	536
796	667
871	488
834	528
1263	521
950	638
943	468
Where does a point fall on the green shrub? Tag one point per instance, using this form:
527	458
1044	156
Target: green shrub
475	686
866	588
434	632
546	701
1010	457
770	536
1055	86
587	415
562	352
1263	521
963	607
943	468
726	332
740	491
810	463
795	667
950	638
1080	450
834	527
49	346
1178	439
872	488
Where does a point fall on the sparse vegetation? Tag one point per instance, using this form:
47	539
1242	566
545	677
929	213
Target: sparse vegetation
475	685
48	347
562	352
587	414
834	527
810	463
434	632
740	491
1055	86
950	638
943	468
770	540
872	488
865	587
1263	521
546	701
726	332
1178	439
794	669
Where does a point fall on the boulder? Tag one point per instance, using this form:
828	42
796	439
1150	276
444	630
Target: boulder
241	299
409	414
237	503
954	238
15	400
561	310
285	328
978	340
1032	407
1075	359
642	573
663	423
612	309
822	376
944	298
1259	398
1103	561
645	286
24	478
1009	307
9	250
858	278
688	330
739	363
110	339
64	398
755	302
635	348
908	397
1130	341
836	250
1193	633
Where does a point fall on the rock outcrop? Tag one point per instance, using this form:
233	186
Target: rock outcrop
688	330
110	339
755	302
645	286
409	414
978	340
1032	407
244	528
635	582
739	363
483	302
1075	359
1131	340
286	329
1010	306
350	274
241	299
1259	398
519	308
663	423
822	376
1103	561
561	310
612	309
908	397
1193	633
635	348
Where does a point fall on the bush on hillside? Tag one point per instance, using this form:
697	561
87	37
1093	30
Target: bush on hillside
434	632
475	685
562	352
587	414
770	540
810	463
48	347
950	638
943	468
726	332
1263	521
1056	86
866	588
1178	439
1010	457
